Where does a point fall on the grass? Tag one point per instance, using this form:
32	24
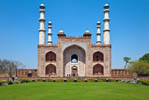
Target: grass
74	91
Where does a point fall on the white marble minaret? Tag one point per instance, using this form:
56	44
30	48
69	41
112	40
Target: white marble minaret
106	24
42	25
98	33
50	33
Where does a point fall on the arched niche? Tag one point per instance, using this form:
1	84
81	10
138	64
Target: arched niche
50	69
98	56
98	69
50	56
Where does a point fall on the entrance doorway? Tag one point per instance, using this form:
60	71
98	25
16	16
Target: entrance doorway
74	72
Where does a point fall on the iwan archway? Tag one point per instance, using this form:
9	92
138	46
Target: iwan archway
74	61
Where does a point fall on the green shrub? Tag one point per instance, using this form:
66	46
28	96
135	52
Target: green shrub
49	80
65	80
1	82
70	80
117	80
33	80
85	80
102	80
91	80
108	80
145	82
24	80
75	80
54	80
60	80
16	82
81	80
112	80
39	80
9	82
43	80
96	80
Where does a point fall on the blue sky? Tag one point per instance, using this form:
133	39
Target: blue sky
19	26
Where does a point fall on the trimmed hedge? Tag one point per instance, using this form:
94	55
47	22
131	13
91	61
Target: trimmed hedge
70	80
1	82
145	82
92	80
39	80
81	80
60	80
24	80
102	80
49	80
16	82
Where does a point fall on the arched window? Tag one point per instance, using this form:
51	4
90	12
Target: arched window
74	58
50	56
98	69
50	69
98	56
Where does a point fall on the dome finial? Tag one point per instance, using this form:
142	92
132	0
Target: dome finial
106	6
42	6
50	23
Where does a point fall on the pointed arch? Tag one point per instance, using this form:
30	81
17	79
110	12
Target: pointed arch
98	69
74	54
50	56
50	69
98	56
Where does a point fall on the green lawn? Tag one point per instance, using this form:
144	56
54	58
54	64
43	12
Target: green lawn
74	91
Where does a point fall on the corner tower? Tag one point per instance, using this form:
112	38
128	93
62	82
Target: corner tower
42	25
106	24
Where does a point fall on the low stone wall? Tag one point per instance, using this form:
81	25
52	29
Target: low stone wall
27	73
4	78
121	73
118	74
33	72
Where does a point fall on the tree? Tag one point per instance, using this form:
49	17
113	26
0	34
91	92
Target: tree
10	67
145	58
139	67
126	59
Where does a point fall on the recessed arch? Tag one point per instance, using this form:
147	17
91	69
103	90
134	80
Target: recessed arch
98	69
78	54
98	56
74	45
50	56
50	69
78	44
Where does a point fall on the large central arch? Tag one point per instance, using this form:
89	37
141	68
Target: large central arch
77	52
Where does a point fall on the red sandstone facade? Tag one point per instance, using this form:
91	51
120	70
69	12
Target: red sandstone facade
91	60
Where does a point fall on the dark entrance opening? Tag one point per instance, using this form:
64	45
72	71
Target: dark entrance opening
29	75
74	72
74	58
